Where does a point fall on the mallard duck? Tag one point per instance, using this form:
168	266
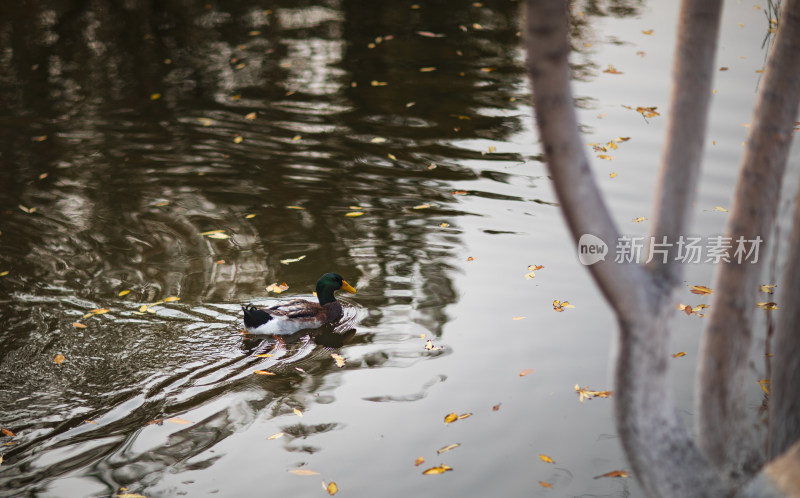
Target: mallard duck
288	318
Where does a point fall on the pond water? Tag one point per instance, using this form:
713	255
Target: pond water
203	152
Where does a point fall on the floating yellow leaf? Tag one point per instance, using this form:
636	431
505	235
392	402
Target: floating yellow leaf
517	318
612	175
296	138
422	206
332	488
263	372
378	140
448	448
614	473
59	359
560	306
546	458
353	214
339	359
647	32
155	96
276	288
586	393
526	371
143	308
124	293
441	469
700	289
178	420
426	69
3	273
171	299
392	157
249	216
450	417
378	83
464	415
470	258
264	355
767	306
7	432
252	115
612	70
419	461
545	484
294	207
639	219
304	472
293	260
444	225
78	325
276	436
767	288
678	355
27	209
459	192
297	412
720	209
764	383
428	34
496	407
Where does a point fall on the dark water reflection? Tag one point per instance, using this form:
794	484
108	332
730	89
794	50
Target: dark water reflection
125	137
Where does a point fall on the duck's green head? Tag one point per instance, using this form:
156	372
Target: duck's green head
329	283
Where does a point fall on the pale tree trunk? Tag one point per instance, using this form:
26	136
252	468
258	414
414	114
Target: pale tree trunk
663	456
724	427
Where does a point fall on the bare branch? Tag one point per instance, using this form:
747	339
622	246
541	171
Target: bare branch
723	425
691	95
581	201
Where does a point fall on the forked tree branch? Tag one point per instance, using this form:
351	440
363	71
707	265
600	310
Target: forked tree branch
724	427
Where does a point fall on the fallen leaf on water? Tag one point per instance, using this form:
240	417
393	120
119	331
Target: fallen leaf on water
297	412
546	458
720	209
252	115
7	432
464	415
155	96
123	293
647	32
250	216
767	288
4	273
612	70
545	484
422	206
178	420
429	346
444	225
264	355
293	260
470	258
459	192
441	469
303	472
612	175
517	318
78	325
276	436
59	359
419	461
171	299
526	371
339	359
586	393
647	112
560	306
426	69
767	306
700	289
606	157
238	139
678	355
639	219
27	209
613	473
764	383
294	207
220	236
450	417
496	407
448	448
332	488
263	372
129	495
428	34
276	288
353	214
378	140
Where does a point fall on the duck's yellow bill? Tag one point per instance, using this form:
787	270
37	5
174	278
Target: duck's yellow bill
349	288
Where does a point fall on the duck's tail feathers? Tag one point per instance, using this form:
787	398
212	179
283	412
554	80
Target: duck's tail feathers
254	317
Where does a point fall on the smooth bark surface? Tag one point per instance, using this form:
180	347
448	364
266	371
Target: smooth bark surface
724	424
